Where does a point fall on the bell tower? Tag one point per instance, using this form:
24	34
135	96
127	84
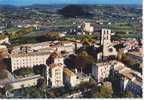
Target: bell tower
105	37
105	42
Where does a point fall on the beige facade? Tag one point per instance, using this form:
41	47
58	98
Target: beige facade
70	77
56	75
55	70
24	61
108	49
100	71
88	28
4	51
29	55
132	80
105	36
25	82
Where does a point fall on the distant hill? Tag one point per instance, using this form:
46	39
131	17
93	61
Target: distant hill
7	7
76	11
44	6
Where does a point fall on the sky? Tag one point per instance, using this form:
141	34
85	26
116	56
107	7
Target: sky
30	2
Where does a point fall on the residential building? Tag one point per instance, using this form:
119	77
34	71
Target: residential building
135	56
28	60
100	71
4	51
5	40
130	80
30	55
106	48
88	28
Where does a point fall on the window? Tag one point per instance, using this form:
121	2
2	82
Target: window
110	50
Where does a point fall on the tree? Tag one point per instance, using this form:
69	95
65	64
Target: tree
3	74
71	61
115	79
41	84
2	65
35	93
127	94
40	69
8	88
23	72
52	36
120	54
103	92
84	60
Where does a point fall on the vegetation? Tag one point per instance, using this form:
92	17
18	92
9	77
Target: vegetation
75	11
127	94
80	37
8	88
131	64
118	92
3	75
39	69
81	61
24	40
2	64
99	92
2	37
52	36
103	92
21	32
120	36
23	72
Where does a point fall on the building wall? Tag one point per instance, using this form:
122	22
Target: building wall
134	58
105	37
129	85
88	27
73	81
106	43
107	52
101	72
59	60
95	71
57	76
27	61
25	82
70	80
134	88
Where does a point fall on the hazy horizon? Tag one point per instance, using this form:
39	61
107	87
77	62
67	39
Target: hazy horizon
52	2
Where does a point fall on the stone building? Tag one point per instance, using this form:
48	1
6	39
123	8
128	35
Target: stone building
27	59
100	71
106	44
87	28
55	70
70	78
30	55
130	80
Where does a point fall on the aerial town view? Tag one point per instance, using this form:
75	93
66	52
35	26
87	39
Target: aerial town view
71	49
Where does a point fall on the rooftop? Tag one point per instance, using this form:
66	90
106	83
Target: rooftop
133	75
136	53
55	65
106	63
27	78
39	48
